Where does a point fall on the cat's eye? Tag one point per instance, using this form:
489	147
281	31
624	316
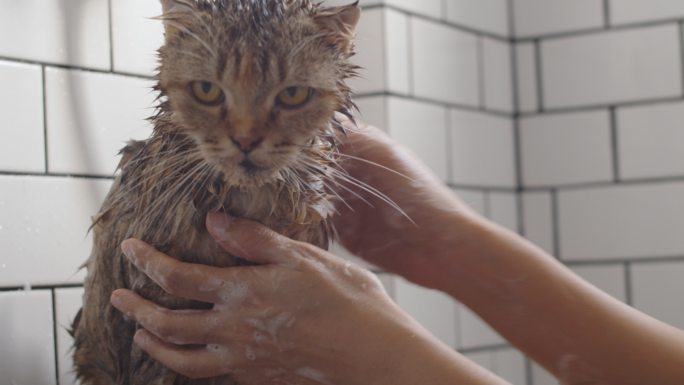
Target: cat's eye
294	97
207	93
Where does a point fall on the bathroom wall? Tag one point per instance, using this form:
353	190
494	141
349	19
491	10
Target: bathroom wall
556	118
601	136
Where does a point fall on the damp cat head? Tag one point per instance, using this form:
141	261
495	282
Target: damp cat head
256	83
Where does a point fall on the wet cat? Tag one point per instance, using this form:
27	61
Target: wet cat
245	125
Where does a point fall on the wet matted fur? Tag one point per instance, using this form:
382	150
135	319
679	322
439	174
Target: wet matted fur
193	163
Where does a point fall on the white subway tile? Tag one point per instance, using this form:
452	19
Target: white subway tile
658	289
622	222
436	311
90	117
482	359
474	199
71	32
541	377
651	141
382	52
370	53
432	8
636	11
612	67
540	17
509	364
135	36
482	149
475	332
387	281
27	351
608	278
484	15
445	65
22	147
526	70
396	51
498	81
422	128
43	225
373	110
561	149
67	304
503	209
538	219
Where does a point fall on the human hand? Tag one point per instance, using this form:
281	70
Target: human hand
303	316
416	248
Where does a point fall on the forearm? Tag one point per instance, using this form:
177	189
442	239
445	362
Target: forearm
571	328
411	355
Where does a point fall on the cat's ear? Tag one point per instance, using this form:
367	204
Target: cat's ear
342	22
173	14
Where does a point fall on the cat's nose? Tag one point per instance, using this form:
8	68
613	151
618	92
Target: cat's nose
246	143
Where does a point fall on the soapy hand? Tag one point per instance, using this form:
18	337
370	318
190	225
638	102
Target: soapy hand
417	245
293	319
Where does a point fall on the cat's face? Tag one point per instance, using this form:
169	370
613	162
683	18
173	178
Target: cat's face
256	83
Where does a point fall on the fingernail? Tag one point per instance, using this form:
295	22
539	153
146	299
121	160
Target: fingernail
128	248
218	223
141	337
115	299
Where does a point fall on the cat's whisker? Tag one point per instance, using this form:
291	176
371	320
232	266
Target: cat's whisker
393	171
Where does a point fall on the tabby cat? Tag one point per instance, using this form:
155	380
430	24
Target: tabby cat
245	124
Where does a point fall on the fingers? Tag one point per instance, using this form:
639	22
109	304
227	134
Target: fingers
227	286
211	361
251	240
177	327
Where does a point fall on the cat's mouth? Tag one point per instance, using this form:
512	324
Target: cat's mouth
250	168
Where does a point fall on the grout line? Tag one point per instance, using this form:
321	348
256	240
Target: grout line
539	75
598	30
45	120
409	52
41	287
511	19
606	14
505	114
443	22
487	203
448	144
445	10
486	348
481	188
681	50
555	224
614	261
528	371
515	82
520	206
385	53
629	290
481	72
593	107
609	183
54	334
76	68
55	175
111	35
615	144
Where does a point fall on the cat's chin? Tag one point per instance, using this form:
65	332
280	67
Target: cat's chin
249	176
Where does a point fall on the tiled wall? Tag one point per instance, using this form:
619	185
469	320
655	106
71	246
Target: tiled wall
601	135
556	118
